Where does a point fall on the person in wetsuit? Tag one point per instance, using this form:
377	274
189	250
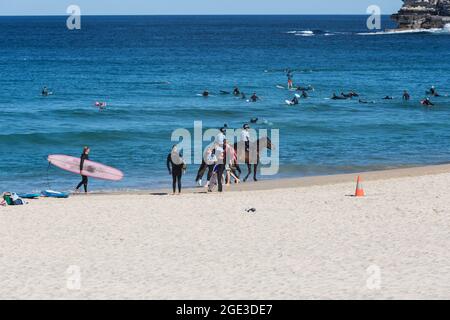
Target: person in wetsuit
336	97
84	179
236	91
176	166
45	91
427	102
406	96
294	101
304	94
254	97
205	93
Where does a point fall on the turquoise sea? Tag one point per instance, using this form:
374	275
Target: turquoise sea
149	69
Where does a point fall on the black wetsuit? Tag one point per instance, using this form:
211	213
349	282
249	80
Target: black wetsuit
406	96
84	179
177	171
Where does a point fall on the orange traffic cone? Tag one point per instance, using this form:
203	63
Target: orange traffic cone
359	188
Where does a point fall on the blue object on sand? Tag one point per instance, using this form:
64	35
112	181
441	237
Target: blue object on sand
55	194
29	195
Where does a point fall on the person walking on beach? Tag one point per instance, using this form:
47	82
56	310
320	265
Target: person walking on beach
245	136
84	179
220	138
176	166
211	161
220	167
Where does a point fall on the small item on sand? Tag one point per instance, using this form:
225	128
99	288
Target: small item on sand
29	195
55	194
251	210
12	199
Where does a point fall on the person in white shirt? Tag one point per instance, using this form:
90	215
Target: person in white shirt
245	136
221	136
210	161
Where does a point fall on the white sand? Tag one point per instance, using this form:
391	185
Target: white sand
302	243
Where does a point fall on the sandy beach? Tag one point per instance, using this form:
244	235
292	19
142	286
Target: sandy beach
308	239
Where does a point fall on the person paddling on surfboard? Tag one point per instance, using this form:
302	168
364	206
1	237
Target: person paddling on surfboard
84	179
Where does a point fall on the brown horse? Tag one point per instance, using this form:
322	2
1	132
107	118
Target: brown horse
251	156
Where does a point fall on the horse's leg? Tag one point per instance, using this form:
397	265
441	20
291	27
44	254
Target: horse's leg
255	167
249	167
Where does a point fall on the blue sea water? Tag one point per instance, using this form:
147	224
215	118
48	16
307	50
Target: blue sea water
150	68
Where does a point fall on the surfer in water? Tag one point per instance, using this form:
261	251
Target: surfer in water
176	166
290	77
45	92
336	97
406	96
205	93
304	95
236	91
427	102
254	97
433	92
84	179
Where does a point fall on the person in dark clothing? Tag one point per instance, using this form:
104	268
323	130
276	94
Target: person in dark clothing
406	96
45	92
236	91
427	102
254	97
176	166
220	170
84	179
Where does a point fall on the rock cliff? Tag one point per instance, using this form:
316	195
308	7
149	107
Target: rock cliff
423	14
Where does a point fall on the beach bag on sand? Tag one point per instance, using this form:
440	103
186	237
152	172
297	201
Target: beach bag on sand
18	202
7	197
12	199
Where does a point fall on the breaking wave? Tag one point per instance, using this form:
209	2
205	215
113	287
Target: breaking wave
445	30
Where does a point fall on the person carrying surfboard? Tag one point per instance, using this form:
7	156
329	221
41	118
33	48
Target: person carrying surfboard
176	166
84	179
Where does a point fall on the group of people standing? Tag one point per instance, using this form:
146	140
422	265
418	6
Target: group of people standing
219	162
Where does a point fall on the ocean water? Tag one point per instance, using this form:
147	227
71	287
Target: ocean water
149	70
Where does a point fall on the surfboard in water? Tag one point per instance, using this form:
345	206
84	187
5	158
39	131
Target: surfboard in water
90	169
289	102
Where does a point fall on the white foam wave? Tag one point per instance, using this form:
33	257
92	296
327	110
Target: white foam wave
445	30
